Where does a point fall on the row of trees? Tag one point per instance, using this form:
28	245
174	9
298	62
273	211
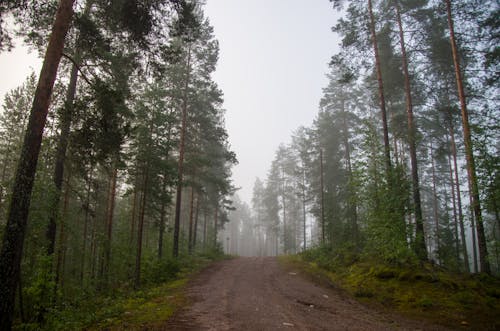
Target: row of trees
128	145
393	166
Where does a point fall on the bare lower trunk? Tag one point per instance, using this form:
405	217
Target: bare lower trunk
196	214
13	238
191	212
137	274
471	168
180	173
109	228
322	202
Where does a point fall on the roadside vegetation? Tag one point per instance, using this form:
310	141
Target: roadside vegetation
122	307
414	289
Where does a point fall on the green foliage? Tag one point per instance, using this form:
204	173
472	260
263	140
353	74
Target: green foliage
38	296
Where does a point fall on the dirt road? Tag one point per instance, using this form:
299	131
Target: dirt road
259	294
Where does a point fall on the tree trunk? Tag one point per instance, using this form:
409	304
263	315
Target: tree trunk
303	207
383	112
180	173
420	248
352	194
162	218
216	216
196	214
322	202
454	205
471	168
109	228
435	202
459	194
62	142
61	250
191	212
12	244
85	228
137	274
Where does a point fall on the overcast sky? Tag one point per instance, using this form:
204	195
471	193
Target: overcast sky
274	55
272	66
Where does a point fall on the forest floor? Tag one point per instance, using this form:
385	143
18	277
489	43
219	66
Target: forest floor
263	294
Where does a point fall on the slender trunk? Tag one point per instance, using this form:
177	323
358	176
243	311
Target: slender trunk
322	202
162	218
471	168
137	274
459	194
454	205
352	194
85	228
303	207
61	249
181	157
205	229
283	200
109	232
13	238
435	202
191	212
474	236
196	214
387	150
420	247
216	216
62	142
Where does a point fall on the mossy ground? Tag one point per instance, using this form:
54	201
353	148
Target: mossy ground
421	292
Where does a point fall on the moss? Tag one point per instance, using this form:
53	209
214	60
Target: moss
419	291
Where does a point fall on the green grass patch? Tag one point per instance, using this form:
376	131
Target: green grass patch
417	291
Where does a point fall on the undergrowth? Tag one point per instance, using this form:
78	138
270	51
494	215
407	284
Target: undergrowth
413	289
124	308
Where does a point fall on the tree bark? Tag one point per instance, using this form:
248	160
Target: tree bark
180	173
12	245
435	202
196	214
62	142
383	112
420	247
471	168
109	228
322	194
137	274
191	212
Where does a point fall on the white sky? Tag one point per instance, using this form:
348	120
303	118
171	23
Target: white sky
272	66
274	55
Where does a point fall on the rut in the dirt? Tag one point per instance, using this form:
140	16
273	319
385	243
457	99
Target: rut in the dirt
258	294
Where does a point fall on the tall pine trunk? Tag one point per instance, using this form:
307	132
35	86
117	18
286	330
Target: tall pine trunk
322	196
420	248
13	239
383	112
62	142
140	228
109	217
469	157
180	172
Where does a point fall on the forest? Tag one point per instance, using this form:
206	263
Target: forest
116	164
402	158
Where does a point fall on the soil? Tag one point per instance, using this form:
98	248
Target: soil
259	294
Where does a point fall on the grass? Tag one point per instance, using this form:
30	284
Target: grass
420	292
